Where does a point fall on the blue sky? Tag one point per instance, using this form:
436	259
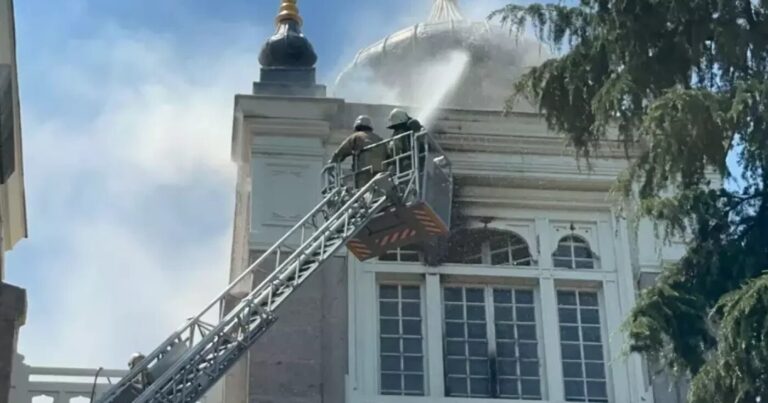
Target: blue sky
127	116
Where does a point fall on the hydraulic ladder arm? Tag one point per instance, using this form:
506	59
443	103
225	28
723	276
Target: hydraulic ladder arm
197	355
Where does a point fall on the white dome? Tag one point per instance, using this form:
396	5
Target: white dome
399	61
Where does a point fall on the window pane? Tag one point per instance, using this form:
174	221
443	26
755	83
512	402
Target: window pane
529	369
401	357
566	298
572	369
574	389
479	367
584	264
466	373
504	313
456	366
584	377
414	384
590	334
499	258
587	298
454	311
390	345
509	388
455	386
388	309
411	310
526	332
388	292
568	315
453	294
476	312
525	314
524	297
455	348
507	367
590	316
594	370
477	348
562	263
571	351
475	295
569	333
390	363
502	296
530	388
389	326
391	383
593	352
411	293
480	387
517	346
596	389
505	331
412	345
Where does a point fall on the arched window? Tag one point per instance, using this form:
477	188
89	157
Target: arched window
490	247
573	252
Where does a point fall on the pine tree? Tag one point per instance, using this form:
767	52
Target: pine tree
684	82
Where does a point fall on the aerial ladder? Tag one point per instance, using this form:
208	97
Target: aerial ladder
407	203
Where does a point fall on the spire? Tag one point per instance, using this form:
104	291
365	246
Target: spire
288	47
288	12
288	58
444	11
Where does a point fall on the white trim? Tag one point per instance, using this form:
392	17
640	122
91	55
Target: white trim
434	335
551	340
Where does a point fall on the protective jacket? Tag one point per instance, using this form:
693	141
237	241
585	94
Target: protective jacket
372	158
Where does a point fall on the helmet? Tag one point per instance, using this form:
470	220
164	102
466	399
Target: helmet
363	122
397	116
135	359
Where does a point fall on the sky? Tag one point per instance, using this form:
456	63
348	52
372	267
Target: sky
126	118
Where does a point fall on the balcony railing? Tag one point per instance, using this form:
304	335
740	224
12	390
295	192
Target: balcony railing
63	385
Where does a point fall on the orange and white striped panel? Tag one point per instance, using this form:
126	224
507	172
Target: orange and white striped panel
431	223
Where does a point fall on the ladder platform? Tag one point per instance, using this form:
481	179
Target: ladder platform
396	227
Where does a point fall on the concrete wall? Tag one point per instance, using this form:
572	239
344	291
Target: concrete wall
12	312
302	359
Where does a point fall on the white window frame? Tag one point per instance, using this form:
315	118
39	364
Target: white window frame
424	342
491	335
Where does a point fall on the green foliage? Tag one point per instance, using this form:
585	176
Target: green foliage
685	85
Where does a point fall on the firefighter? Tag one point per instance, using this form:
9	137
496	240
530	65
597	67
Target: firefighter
400	122
366	163
142	380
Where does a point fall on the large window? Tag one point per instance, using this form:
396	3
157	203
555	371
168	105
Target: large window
401	348
491	344
582	347
489	247
573	252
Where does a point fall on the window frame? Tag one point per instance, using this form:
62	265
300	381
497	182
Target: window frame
604	341
571	258
424	336
491	339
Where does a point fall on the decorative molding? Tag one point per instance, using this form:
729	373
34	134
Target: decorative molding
287	127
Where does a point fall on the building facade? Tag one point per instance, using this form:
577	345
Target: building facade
527	308
12	202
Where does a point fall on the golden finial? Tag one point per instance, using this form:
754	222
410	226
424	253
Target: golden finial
288	12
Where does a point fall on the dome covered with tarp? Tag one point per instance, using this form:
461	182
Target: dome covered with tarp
402	62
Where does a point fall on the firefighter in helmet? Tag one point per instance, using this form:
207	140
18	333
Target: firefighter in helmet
367	162
400	122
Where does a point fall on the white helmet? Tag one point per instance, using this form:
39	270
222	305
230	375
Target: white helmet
397	116
135	359
363	122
